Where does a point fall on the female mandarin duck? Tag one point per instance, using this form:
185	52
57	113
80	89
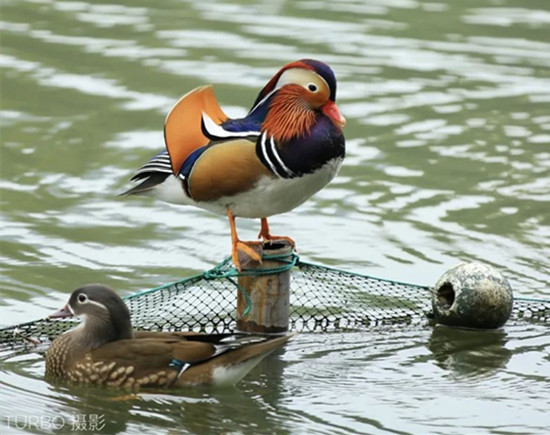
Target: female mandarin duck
104	350
288	147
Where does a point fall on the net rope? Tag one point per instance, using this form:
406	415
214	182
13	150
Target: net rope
321	299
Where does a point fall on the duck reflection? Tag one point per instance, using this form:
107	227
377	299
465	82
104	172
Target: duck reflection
469	351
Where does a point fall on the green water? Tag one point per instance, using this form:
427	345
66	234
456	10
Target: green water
448	159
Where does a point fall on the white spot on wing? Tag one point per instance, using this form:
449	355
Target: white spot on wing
216	130
230	375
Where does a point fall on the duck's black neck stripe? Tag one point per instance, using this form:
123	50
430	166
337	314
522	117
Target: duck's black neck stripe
269	155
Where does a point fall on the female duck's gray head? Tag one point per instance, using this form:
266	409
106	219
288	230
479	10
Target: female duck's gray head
104	314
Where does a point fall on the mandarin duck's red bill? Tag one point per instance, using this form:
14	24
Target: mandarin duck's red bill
287	148
104	350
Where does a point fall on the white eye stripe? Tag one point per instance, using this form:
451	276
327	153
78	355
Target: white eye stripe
87	301
291	76
300	76
97	304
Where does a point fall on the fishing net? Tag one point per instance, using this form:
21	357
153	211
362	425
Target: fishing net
321	299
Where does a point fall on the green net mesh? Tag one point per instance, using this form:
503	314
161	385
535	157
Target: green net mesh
321	299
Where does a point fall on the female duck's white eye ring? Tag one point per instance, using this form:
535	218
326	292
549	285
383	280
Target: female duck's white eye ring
312	87
82	298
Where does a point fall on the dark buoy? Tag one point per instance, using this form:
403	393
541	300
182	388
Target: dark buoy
472	295
267	308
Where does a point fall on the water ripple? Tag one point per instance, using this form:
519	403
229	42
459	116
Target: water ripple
448	132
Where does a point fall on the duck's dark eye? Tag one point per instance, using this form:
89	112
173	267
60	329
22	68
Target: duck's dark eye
82	298
312	87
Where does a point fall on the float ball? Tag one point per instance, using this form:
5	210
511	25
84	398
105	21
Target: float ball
472	295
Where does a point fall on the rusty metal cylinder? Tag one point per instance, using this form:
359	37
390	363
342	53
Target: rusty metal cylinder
267	307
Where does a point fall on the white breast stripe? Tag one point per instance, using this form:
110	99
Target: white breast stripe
275	152
266	156
218	131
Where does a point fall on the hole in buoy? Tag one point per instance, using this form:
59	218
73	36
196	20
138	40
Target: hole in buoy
445	295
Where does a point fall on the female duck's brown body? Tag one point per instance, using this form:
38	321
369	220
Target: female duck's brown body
104	350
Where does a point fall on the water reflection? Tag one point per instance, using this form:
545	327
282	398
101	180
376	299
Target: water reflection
469	352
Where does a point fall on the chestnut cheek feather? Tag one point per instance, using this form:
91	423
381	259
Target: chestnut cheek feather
289	115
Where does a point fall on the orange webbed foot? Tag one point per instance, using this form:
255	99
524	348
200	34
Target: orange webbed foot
244	252
266	236
250	251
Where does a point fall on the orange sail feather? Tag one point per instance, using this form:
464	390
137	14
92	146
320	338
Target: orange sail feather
182	128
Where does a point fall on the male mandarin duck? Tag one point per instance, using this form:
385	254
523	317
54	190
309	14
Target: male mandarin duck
287	148
104	350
